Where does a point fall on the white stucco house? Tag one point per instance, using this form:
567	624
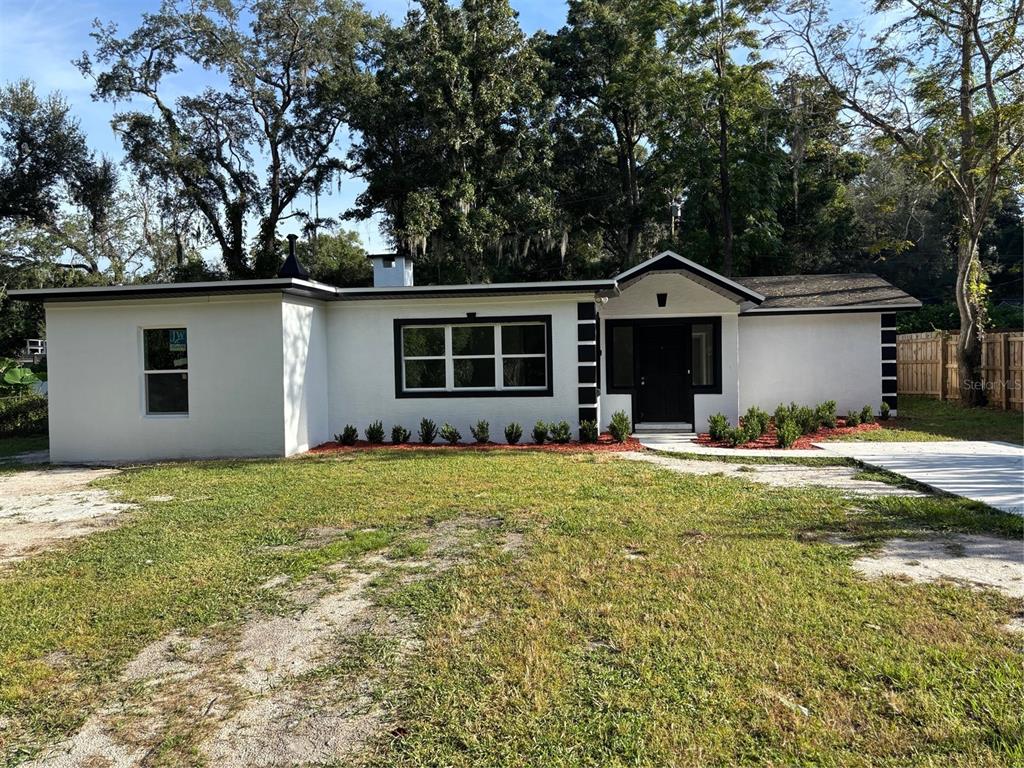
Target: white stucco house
277	366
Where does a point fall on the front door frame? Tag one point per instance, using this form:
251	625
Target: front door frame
714	388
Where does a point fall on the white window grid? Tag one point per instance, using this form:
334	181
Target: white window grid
498	356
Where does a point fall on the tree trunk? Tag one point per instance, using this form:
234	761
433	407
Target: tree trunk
969	296
970	304
267	261
725	196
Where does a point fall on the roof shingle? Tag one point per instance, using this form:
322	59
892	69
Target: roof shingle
827	292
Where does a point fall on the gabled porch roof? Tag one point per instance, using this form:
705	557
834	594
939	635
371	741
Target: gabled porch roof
668	261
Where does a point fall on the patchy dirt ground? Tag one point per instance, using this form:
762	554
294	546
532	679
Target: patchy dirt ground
305	686
41	507
783	475
978	561
970	559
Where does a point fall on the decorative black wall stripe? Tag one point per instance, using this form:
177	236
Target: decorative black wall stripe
888	342
587	354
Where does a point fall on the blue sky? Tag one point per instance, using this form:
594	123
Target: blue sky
39	39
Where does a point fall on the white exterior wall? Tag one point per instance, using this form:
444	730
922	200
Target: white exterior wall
685	299
361	358
811	358
304	349
96	392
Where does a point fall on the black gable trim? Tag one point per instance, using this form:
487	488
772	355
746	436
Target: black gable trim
671	264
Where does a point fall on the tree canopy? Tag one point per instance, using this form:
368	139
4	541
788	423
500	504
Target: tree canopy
753	137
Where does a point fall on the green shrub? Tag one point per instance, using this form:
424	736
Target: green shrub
782	415
540	433
755	422
588	431
826	413
718	424
867	415
450	434
620	426
806	418
375	433
883	411
481	432
852	418
735	436
15	379
348	435
513	433
561	432
428	431
399	434
23	415
787	433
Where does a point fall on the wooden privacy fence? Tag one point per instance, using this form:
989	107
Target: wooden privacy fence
926	365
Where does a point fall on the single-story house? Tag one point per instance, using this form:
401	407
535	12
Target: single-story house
277	366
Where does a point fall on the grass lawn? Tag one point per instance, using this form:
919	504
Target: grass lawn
650	619
927	419
10	446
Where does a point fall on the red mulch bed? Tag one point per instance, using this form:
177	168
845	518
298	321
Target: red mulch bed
768	439
604	444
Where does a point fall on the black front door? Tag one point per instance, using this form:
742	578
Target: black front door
664	392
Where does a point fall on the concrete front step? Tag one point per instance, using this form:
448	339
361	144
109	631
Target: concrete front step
663	428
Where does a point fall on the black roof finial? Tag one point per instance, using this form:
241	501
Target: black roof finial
292	267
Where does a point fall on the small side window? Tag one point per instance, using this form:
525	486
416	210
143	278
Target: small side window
702	344
165	366
622	356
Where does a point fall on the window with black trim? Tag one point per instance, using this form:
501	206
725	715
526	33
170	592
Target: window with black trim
705	352
165	369
467	357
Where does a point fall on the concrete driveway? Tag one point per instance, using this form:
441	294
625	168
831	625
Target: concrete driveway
989	472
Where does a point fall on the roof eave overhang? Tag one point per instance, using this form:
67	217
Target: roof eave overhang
596	287
289	286
307	289
777	311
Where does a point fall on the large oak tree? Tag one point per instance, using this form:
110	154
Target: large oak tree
244	151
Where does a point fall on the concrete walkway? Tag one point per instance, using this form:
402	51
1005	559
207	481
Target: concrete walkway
667	443
779	475
989	472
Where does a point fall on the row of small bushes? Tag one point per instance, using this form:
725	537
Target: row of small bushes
559	432
23	415
791	421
